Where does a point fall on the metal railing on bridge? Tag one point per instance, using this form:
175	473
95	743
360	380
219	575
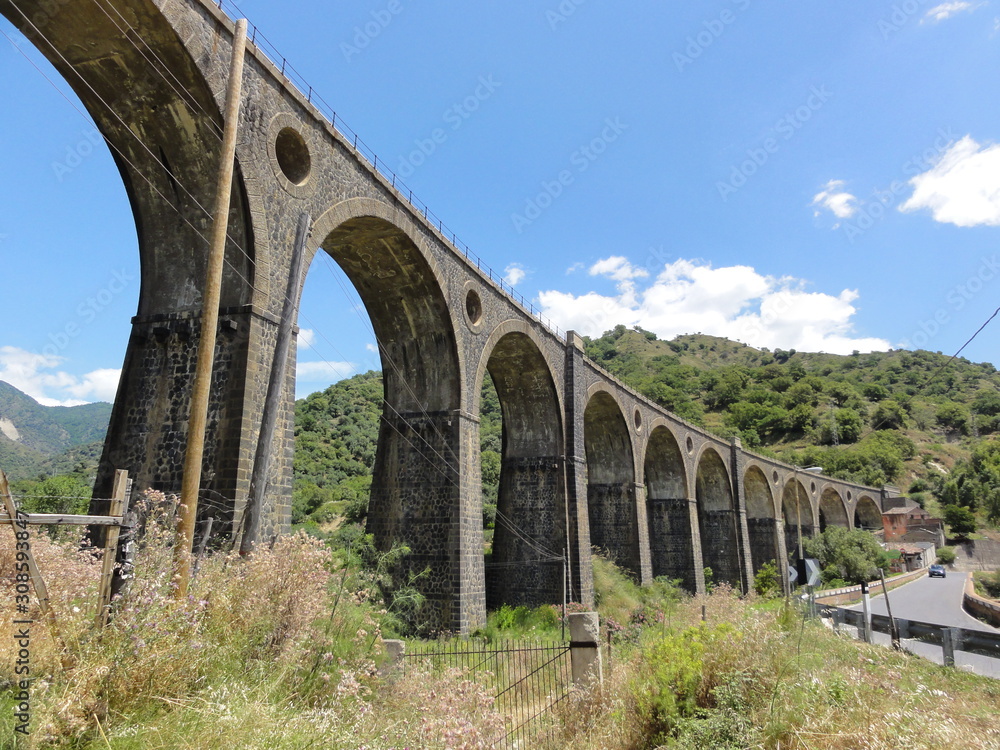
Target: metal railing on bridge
257	40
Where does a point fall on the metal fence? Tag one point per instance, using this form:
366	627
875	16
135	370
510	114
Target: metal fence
526	679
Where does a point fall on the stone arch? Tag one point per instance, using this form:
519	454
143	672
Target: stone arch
797	513
531	504
718	519
668	508
832	511
163	131
762	521
418	496
611	498
867	515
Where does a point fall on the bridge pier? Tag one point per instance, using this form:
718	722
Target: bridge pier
421	497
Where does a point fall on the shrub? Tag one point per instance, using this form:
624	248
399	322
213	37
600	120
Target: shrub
767	581
946	555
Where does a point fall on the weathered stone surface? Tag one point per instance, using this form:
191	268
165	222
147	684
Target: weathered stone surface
586	460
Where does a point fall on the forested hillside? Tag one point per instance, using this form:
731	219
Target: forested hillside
912	419
36	439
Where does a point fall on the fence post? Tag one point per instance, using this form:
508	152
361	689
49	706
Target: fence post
951	639
111	547
395	650
585	647
904	628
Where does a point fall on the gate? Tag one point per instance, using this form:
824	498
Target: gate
526	680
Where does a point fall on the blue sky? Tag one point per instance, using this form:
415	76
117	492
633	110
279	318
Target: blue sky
794	175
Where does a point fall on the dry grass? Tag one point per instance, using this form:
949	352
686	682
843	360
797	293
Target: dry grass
282	650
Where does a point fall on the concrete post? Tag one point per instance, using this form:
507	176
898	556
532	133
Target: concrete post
866	608
395	651
585	648
951	642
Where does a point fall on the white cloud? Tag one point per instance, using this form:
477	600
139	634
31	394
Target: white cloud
734	301
946	10
842	204
323	372
515	274
373	348
37	376
962	188
618	268
307	336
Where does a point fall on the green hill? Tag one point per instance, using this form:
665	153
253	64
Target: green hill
905	418
36	439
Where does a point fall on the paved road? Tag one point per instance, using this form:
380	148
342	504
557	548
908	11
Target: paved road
937	601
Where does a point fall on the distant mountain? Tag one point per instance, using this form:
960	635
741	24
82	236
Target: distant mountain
36	439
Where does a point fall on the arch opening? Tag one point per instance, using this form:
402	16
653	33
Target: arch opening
832	511
529	537
762	525
163	132
611	498
867	515
797	513
416	495
717	520
668	510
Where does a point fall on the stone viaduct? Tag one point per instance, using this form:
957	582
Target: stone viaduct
587	462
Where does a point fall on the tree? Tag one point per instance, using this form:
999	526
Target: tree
953	416
961	520
888	415
855	555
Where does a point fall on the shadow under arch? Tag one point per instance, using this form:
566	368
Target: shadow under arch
162	123
867	515
611	498
530	535
762	524
668	509
417	495
797	513
832	511
718	519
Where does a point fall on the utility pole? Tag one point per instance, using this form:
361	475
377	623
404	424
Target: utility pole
209	322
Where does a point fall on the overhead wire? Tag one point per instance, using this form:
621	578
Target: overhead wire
198	108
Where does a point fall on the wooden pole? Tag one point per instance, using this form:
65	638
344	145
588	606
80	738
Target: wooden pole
275	390
209	322
111	548
893	628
